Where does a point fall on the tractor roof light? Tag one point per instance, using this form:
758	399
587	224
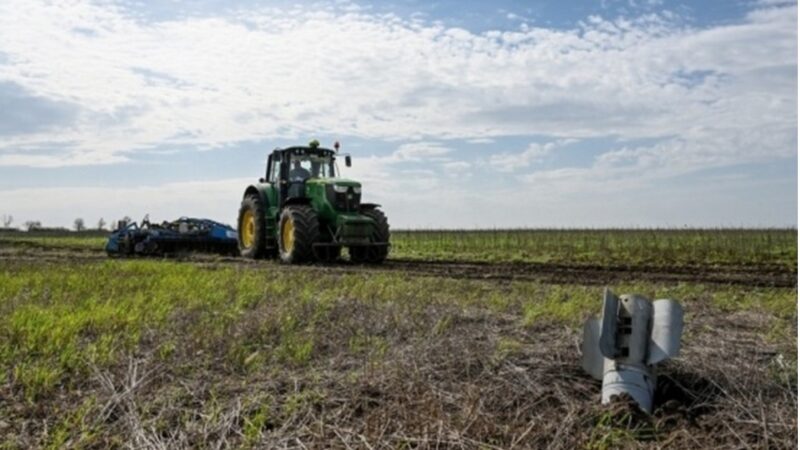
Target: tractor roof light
624	345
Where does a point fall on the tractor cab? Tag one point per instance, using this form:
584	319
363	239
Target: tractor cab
290	169
303	210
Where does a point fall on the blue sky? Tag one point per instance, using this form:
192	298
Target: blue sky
458	114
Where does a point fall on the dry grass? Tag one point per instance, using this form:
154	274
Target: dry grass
443	377
170	354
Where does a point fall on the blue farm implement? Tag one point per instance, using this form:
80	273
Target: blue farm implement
184	235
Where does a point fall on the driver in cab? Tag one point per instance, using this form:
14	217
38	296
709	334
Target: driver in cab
298	174
297	177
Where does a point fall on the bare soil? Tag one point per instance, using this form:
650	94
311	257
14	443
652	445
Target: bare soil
762	275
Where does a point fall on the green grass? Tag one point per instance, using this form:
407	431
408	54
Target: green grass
61	323
616	246
653	247
96	243
269	336
58	321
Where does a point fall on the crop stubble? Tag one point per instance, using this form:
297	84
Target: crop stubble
389	370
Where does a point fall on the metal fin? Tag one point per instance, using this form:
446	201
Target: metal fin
665	338
608	325
592	359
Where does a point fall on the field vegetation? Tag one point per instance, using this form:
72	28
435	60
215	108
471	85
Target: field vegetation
205	352
649	247
614	246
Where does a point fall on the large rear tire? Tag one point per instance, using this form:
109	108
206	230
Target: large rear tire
251	230
380	235
299	230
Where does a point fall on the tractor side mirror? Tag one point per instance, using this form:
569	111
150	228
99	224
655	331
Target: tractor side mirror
347	161
261	180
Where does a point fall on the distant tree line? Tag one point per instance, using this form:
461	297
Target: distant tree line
78	224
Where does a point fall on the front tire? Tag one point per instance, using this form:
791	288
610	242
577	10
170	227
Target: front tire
299	230
251	230
380	234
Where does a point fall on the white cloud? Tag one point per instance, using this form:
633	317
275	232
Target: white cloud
269	73
509	162
420	151
457	166
699	97
480	141
420	200
59	206
776	2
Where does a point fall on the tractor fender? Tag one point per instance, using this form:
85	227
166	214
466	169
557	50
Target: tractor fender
368	206
255	191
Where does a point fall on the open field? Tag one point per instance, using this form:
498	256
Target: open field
643	247
652	247
448	345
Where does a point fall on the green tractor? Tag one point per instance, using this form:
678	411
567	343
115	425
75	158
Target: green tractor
303	212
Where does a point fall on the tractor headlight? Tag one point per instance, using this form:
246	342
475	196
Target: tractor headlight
357	190
339	189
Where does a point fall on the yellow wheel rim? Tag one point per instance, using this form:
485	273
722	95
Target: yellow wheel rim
248	229
287	235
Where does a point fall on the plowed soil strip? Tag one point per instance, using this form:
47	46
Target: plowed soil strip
595	274
756	275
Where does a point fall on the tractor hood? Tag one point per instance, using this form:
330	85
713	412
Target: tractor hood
334	181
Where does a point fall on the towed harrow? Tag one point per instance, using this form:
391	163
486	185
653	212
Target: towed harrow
184	235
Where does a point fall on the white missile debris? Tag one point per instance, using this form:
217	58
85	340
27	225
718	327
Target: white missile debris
624	345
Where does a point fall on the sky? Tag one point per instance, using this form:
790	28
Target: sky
458	114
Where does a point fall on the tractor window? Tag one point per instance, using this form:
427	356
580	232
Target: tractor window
273	173
303	167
